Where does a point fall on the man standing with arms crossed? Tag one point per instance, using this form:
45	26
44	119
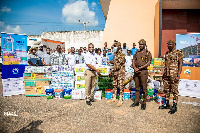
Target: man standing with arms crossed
171	76
141	60
90	74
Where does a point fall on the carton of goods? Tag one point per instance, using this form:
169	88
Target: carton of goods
80	77
79	85
78	94
104	70
97	95
79	69
35	87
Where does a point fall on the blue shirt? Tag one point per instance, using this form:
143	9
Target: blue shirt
110	56
133	50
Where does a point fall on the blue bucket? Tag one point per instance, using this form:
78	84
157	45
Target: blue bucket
49	93
67	93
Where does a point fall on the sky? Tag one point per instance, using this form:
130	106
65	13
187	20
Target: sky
32	17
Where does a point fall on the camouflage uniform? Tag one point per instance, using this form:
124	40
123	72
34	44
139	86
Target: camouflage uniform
171	72
119	72
141	58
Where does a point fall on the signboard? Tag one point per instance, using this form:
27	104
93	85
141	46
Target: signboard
14	60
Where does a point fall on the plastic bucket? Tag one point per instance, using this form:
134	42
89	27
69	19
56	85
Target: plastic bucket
108	94
58	93
161	98
49	93
126	94
67	93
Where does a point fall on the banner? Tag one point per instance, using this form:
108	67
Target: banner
14	60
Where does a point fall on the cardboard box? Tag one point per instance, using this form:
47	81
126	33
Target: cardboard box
36	87
80	77
34	76
78	94
79	85
97	95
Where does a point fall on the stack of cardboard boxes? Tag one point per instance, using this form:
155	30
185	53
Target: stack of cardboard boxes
35	84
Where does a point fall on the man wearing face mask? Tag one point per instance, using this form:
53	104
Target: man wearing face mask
110	55
118	74
141	60
57	58
171	76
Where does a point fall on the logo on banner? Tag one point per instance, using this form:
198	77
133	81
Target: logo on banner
187	71
15	70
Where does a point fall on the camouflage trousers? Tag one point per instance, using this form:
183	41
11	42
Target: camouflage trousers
118	81
170	86
141	80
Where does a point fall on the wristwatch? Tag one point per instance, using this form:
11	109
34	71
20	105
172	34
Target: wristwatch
139	68
178	75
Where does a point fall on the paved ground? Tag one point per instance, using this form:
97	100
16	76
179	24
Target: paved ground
37	114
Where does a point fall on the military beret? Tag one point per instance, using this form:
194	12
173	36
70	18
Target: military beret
142	41
171	41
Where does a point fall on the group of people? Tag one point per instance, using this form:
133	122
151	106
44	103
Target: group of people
141	60
120	57
40	57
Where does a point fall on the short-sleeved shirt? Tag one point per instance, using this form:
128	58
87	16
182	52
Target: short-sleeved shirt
142	57
104	60
58	59
128	60
171	62
99	59
32	58
110	56
47	58
40	55
90	59
71	59
125	50
80	59
133	50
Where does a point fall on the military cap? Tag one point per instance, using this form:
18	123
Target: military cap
171	41
142	41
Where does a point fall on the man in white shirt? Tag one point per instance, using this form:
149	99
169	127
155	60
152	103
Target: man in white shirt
124	49
128	58
79	57
98	57
90	74
71	58
105	58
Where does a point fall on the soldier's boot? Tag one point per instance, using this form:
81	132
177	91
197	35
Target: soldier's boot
173	109
120	102
165	106
113	99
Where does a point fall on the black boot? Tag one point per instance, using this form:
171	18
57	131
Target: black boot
173	109
143	106
135	104
165	106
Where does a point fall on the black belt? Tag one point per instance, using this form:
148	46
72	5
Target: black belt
91	70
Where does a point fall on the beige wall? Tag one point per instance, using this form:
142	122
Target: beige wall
129	21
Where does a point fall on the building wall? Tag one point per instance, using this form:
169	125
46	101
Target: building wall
129	21
178	21
76	39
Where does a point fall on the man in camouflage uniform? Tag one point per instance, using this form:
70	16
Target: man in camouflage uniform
141	60
118	74
171	76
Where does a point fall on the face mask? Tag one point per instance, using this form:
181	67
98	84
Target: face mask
115	48
76	52
109	53
85	52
